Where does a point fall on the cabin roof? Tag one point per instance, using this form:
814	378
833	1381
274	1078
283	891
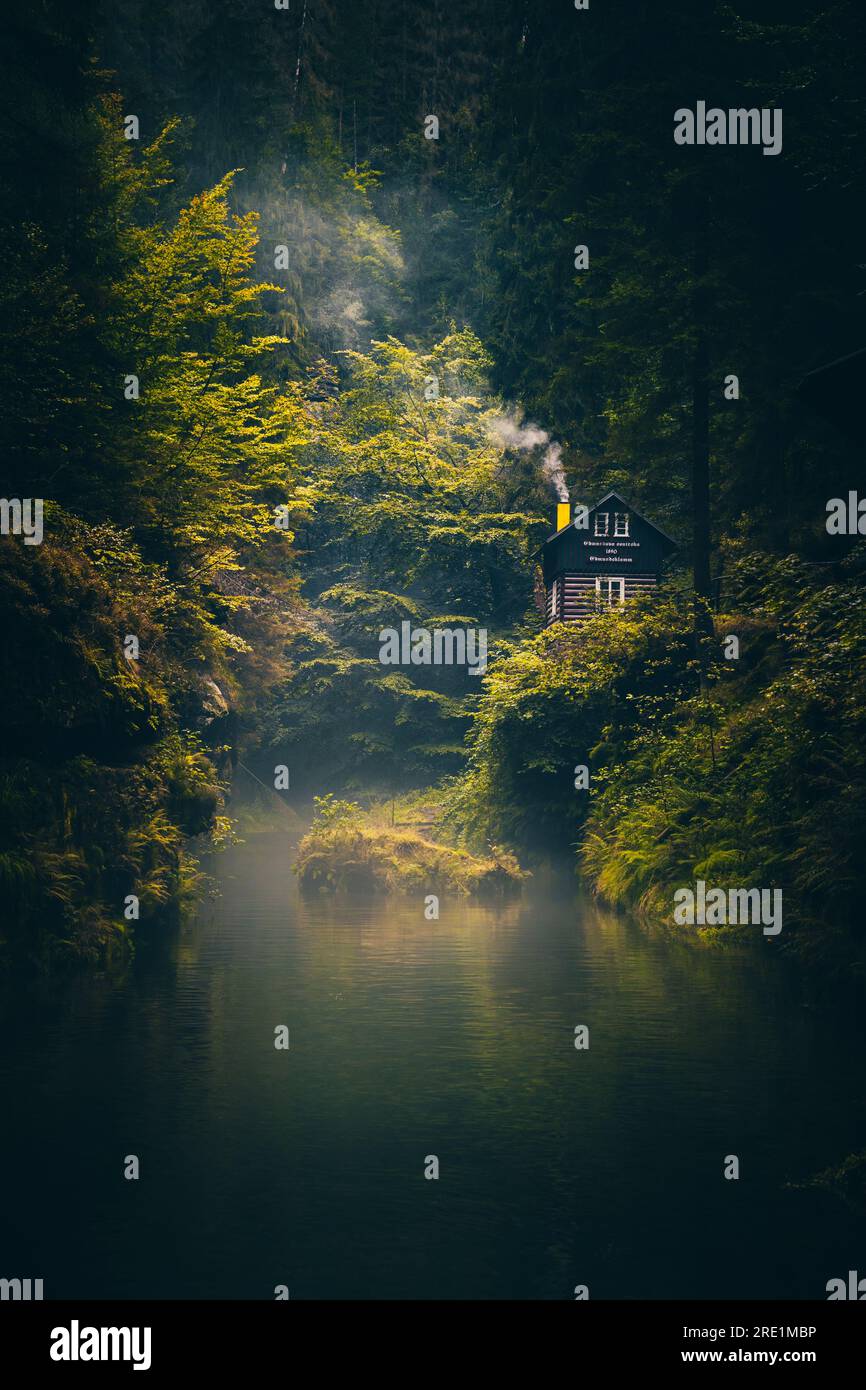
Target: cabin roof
616	496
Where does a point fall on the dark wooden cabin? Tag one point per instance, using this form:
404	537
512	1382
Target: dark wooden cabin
618	555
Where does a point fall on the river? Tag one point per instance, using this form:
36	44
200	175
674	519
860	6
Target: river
305	1167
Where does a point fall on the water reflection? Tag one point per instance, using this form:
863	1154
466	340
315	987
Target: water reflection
411	1038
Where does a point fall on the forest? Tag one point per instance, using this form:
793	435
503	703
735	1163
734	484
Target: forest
292	363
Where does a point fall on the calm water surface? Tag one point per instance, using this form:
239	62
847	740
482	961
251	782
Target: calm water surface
410	1038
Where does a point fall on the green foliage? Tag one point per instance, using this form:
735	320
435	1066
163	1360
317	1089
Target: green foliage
330	812
159	523
416	492
413	511
760	780
97	786
82	835
775	796
338	854
573	695
349	389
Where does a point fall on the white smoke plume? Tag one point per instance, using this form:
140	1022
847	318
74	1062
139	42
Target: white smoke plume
553	471
513	435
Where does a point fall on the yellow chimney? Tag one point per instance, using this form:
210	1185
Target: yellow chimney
563	515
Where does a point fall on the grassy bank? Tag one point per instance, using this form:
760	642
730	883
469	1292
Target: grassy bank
397	848
755	780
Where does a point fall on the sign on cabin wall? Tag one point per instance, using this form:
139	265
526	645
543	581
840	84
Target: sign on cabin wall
616	551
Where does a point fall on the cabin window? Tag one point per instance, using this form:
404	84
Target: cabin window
602	523
609	589
556	599
620	523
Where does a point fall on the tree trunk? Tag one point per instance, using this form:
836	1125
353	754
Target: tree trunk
701	445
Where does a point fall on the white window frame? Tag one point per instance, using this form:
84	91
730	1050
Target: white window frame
620	523
598	529
604	589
